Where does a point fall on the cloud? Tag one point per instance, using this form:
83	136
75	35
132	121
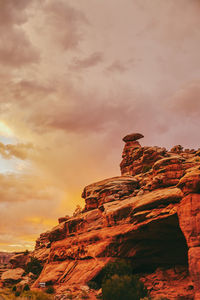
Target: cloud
13	12
186	100
22	222
16	49
116	66
19	150
88	62
24	187
63	23
74	103
120	66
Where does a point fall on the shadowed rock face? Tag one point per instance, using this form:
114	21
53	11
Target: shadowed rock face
149	216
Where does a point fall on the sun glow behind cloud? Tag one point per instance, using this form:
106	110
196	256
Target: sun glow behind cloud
76	76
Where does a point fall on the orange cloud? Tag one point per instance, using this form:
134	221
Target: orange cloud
19	150
76	76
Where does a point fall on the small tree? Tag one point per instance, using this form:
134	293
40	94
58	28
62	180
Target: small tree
50	290
34	266
127	287
120	268
26	287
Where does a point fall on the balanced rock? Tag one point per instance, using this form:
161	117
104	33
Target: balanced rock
132	137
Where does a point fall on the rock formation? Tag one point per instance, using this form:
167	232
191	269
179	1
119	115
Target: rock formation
149	215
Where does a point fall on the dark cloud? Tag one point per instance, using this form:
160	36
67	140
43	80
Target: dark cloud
13	12
63	23
88	62
16	49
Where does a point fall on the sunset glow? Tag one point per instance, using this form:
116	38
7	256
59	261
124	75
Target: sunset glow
5	130
77	76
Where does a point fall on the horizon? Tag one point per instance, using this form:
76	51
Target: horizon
75	79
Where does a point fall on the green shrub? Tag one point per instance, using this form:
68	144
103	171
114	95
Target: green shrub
93	285
26	287
119	268
123	287
34	266
14	288
17	294
50	290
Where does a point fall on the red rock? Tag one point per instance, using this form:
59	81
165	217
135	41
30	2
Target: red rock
19	260
177	149
190	183
12	276
111	189
62	219
132	137
137	159
189	218
174	283
148	216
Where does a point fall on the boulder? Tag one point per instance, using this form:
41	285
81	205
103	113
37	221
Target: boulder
12	276
132	137
19	260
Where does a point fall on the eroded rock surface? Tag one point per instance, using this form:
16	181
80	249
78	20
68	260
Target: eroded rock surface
149	215
12	276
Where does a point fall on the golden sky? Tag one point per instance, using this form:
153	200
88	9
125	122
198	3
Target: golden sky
75	77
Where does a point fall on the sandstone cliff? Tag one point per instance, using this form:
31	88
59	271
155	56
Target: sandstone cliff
149	215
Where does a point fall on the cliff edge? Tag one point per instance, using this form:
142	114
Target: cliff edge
149	216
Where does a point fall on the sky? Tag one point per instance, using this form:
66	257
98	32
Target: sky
75	77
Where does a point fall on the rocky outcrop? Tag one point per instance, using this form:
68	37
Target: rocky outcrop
189	218
19	260
12	276
137	159
42	247
149	215
5	257
112	189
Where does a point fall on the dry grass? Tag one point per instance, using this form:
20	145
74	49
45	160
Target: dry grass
7	294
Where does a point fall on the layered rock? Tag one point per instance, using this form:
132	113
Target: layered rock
143	228
189	218
149	216
12	276
19	260
5	257
137	159
111	189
